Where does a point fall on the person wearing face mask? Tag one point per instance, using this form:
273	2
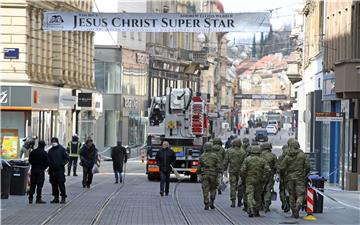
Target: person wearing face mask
88	156
57	160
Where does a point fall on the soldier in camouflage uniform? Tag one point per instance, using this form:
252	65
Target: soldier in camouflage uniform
246	148
209	169
282	188
296	168
220	151
234	158
271	159
254	172
246	144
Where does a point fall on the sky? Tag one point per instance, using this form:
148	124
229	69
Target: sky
281	12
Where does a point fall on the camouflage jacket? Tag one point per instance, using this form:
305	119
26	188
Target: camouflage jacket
271	159
220	151
209	164
255	169
234	159
295	165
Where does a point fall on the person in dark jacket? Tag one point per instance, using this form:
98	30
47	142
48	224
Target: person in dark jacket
73	149
119	157
88	156
39	163
165	159
57	160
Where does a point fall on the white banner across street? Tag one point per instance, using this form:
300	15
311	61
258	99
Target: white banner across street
145	22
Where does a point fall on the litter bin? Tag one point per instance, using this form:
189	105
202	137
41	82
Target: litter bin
5	179
318	182
19	174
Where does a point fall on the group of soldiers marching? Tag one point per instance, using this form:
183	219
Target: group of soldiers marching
252	171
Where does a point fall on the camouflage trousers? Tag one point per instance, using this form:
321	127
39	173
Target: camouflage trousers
253	195
282	191
296	189
236	187
267	189
209	184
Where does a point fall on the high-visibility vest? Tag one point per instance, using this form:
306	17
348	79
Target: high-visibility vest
71	145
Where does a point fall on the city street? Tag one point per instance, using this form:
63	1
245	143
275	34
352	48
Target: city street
137	201
162	85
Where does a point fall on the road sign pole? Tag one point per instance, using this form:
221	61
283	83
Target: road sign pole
343	153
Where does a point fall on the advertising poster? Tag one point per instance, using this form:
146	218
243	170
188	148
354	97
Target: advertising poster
9	147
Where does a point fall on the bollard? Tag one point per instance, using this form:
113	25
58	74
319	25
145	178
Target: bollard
310	205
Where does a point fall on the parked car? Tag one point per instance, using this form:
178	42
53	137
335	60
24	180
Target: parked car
261	136
271	129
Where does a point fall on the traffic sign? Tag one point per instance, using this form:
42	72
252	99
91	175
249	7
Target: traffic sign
329	117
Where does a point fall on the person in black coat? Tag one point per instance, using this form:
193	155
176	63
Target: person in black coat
119	157
57	160
39	161
165	159
88	156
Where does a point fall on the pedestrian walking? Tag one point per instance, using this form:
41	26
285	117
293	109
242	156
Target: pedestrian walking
208	170
73	149
220	151
254	171
296	167
246	144
239	128
165	158
285	205
228	143
234	159
271	159
57	160
39	162
119	157
88	157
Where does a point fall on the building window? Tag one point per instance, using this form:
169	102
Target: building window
139	36
123	34
132	35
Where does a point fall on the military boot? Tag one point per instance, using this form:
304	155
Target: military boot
267	206
206	206
250	212
30	200
212	206
256	213
295	213
245	209
239	203
232	204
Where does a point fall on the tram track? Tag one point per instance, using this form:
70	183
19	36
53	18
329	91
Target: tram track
58	211
187	219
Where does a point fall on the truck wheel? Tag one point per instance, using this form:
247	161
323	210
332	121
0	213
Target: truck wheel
193	177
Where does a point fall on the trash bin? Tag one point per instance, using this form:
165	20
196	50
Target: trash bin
318	182
19	175
5	179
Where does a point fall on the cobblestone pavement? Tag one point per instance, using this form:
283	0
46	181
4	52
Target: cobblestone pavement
138	202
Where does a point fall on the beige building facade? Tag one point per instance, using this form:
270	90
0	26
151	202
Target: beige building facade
42	74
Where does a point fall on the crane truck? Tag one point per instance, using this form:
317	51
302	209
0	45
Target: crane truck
179	117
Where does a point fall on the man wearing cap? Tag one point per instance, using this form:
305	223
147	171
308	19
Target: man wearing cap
57	160
73	149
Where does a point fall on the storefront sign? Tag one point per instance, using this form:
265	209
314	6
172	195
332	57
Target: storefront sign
11	53
329	117
67	101
147	22
4	97
131	103
85	99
